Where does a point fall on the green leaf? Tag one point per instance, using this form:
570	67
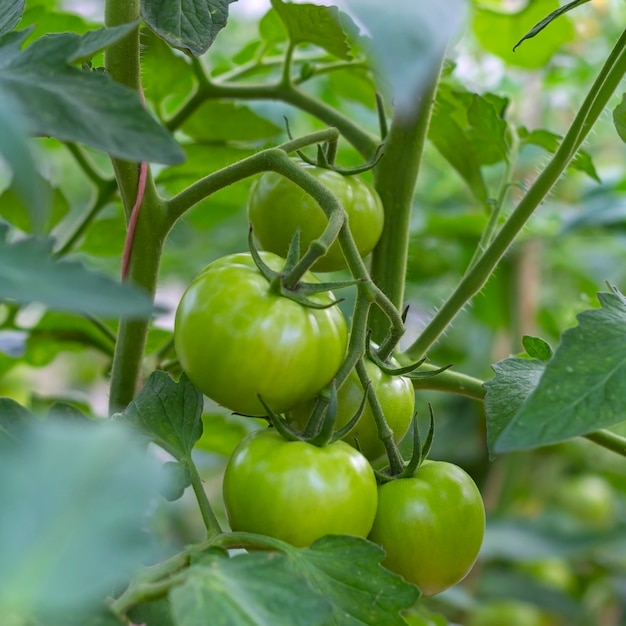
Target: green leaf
257	589
514	380
28	183
407	43
10	14
190	25
97	40
28	273
347	572
156	613
537	348
14	210
581	162
308	23
498	33
14	419
39	79
169	412
583	386
72	524
227	121
272	29
177	479
537	28
619	118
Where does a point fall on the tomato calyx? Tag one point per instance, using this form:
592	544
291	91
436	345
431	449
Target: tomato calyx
405	370
419	452
320	427
301	291
326	160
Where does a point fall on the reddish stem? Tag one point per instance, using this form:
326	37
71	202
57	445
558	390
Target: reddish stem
134	216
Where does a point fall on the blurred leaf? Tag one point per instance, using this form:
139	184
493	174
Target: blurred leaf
537	348
28	183
14	210
252	589
10	15
177	479
498	33
407	44
155	613
28	273
582	388
271	28
66	412
221	434
319	25
74	509
105	236
537	28
14	419
169	412
227	121
190	25
469	130
165	75
40	79
347	571
514	381
619	118
97	40
582	162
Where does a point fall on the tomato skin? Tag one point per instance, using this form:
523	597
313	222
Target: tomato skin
298	492
397	399
431	525
235	338
277	206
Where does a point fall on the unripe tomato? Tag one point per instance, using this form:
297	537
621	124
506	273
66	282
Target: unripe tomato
431	525
277	207
298	492
236	338
588	498
397	399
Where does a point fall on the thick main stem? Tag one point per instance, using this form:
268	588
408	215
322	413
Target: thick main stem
396	177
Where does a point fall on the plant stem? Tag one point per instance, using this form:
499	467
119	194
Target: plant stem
595	102
608	440
396	176
208	516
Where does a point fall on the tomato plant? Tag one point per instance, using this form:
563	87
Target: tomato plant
397	400
298	492
277	207
431	525
237	339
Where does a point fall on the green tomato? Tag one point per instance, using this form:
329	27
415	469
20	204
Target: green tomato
589	499
298	492
397	399
431	525
277	207
236	338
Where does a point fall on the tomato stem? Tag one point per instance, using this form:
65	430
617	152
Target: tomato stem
208	516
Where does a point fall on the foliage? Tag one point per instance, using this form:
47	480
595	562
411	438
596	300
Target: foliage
130	139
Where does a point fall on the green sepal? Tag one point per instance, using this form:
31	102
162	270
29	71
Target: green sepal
293	253
267	271
344	431
420	451
281	426
310	288
324	436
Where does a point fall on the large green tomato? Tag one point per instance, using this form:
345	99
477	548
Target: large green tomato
397	399
431	525
298	492
236	338
277	207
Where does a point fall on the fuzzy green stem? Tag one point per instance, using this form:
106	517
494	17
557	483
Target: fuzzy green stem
208	516
473	281
609	440
396	177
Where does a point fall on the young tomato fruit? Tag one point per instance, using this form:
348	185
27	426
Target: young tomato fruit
277	207
236	338
431	525
298	492
397	399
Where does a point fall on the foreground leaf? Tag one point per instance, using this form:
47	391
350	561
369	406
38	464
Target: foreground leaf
169	412
10	15
582	389
190	25
14	419
29	273
347	571
40	79
258	589
72	522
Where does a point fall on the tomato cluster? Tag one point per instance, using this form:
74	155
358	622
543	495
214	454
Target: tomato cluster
252	349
